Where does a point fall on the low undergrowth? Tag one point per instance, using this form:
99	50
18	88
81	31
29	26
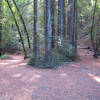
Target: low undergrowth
56	58
5	56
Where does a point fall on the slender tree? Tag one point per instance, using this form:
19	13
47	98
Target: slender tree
25	28
61	18
0	27
75	15
48	34
22	42
35	41
53	22
93	19
98	35
69	20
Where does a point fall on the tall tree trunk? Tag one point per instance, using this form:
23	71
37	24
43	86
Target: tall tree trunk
64	17
61	19
93	19
53	22
75	14
70	21
35	41
25	28
0	27
22	42
48	34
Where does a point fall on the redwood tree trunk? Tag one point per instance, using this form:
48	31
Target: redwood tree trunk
61	19
75	14
53	22
48	34
70	21
35	48
93	21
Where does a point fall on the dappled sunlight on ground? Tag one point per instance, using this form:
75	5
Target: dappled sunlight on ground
13	66
96	78
23	64
63	74
14	60
17	75
78	80
3	63
34	77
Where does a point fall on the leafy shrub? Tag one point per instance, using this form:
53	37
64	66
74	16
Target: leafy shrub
53	61
5	56
67	51
13	47
56	58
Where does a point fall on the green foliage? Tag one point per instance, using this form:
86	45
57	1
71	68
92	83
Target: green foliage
10	35
56	58
68	52
87	18
5	56
13	47
52	62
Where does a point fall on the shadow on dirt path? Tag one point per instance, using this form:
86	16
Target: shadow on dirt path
77	81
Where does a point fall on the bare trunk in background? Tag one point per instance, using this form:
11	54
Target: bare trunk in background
35	36
53	22
48	34
61	19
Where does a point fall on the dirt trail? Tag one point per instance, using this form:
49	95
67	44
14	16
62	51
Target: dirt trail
77	81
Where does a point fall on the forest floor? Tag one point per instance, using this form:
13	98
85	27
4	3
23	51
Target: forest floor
78	80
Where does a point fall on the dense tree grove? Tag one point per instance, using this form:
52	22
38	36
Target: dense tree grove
48	31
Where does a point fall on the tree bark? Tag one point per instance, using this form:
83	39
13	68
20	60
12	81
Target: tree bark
75	14
48	34
70	21
61	19
93	19
35	36
53	22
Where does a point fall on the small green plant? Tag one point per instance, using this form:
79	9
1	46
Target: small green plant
5	56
